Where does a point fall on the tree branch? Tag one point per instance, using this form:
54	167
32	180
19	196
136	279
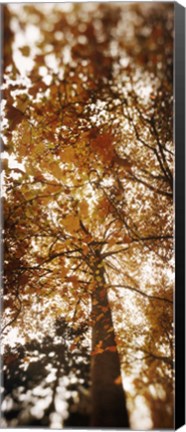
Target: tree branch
149	296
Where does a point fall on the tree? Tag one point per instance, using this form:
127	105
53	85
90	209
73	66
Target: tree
35	373
88	200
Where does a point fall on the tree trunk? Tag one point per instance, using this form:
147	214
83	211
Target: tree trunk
108	398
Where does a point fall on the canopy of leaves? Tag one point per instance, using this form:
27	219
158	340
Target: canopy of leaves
88	174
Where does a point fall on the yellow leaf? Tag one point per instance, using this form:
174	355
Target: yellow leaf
29	194
77	339
55	170
84	209
111	242
63	271
98	278
38	149
71	223
68	155
26	359
22	104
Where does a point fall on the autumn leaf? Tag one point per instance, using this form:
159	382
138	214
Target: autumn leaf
26	359
68	155
103	145
23	279
85	249
94	302
123	162
73	279
55	169
118	380
5	164
99	317
25	50
112	242
96	352
102	294
71	223
77	339
72	347
14	116
63	271
84	209
39	259
104	308
22	103
98	349
111	348
127	239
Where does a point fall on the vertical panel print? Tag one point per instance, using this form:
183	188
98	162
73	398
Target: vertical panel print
88	215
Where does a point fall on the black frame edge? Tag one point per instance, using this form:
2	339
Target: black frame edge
179	130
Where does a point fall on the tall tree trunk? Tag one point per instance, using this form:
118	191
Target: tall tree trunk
108	398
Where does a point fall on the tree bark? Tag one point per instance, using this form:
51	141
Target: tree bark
108	397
